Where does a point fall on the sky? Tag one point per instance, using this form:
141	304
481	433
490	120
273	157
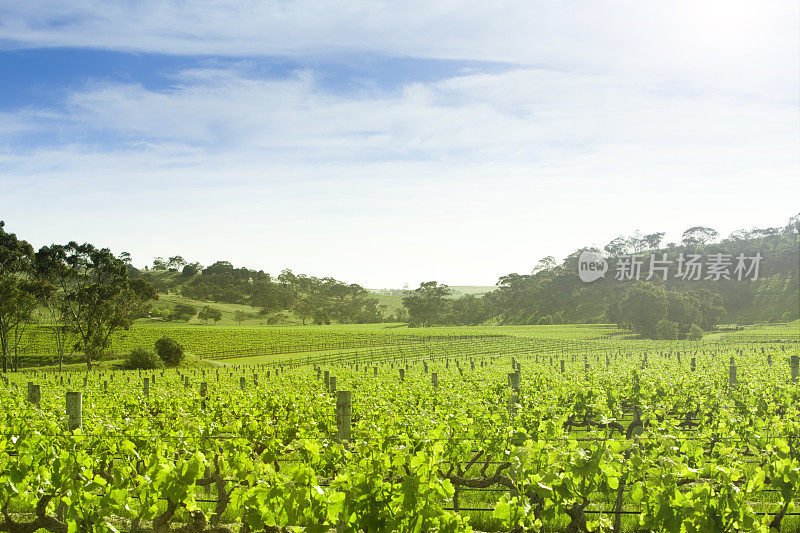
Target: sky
385	142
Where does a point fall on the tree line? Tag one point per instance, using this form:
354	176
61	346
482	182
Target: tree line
312	299
663	307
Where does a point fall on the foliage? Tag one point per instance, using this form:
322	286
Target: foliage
553	290
170	352
189	270
210	313
644	306
142	358
182	312
427	304
309	297
678	449
98	297
695	333
17	294
240	316
667	330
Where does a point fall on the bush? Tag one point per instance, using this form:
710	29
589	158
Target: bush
159	312
695	333
209	313
667	330
183	312
142	358
170	352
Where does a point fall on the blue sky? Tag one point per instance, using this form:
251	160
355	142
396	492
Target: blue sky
389	143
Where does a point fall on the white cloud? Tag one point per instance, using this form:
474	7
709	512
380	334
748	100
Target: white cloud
736	45
618	116
530	116
461	180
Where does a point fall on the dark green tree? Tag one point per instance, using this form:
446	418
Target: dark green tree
170	352
698	236
427	305
182	312
210	313
643	307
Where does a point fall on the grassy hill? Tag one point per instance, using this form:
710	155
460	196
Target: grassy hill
254	315
474	290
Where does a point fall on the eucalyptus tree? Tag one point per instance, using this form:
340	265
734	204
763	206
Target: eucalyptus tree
97	298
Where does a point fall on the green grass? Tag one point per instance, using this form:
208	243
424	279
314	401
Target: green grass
392	302
255	318
475	290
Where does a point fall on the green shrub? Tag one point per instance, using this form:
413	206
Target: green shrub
189	271
159	312
182	312
142	358
170	352
210	313
667	330
695	333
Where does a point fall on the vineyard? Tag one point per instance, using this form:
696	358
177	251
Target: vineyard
225	342
569	431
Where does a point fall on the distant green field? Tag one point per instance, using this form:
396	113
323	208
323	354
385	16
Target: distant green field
266	341
475	290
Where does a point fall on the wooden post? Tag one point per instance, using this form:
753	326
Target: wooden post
203	394
74	410
732	381
375	371
694	364
513	380
146	386
435	380
327	379
402	374
333	385
795	362
562	366
242	383
105	386
34	393
344	414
